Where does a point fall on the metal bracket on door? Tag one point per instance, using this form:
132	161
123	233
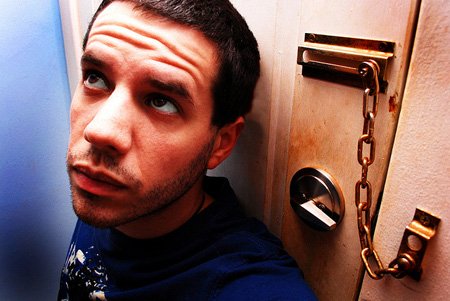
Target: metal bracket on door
414	242
337	59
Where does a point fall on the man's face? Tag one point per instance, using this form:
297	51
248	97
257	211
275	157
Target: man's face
141	132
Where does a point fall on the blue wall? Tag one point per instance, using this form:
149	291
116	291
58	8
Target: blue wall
36	218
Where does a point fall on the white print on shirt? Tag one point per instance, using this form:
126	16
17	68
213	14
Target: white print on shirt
84	275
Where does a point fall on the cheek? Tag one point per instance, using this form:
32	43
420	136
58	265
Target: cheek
75	121
161	151
172	152
79	118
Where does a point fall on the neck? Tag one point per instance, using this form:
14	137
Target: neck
170	218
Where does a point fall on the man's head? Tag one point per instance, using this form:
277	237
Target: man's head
145	119
237	49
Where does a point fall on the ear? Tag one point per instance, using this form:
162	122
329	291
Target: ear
225	141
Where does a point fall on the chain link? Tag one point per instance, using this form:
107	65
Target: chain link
369	72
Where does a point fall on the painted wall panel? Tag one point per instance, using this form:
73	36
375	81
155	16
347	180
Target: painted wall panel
36	218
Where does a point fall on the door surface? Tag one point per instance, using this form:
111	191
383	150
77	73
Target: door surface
419	169
326	123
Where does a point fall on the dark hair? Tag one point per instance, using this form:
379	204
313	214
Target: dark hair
238	51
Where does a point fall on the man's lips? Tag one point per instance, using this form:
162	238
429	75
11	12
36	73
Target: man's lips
96	182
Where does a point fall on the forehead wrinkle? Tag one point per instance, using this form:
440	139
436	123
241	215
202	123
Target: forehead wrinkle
154	40
156	57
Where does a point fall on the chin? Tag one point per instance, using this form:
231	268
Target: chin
96	216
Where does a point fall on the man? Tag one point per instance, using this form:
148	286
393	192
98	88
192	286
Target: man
164	90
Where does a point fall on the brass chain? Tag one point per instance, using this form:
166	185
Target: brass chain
369	72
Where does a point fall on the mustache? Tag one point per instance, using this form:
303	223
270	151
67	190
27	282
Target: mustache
99	158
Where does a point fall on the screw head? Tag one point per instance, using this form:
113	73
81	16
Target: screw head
425	220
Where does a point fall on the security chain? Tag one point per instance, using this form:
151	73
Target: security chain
369	72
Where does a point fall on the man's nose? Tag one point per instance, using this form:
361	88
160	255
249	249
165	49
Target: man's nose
111	127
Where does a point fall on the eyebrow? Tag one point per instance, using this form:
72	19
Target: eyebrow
174	87
88	58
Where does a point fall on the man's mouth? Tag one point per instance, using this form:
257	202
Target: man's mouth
95	182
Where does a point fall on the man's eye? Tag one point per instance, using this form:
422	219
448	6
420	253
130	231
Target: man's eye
95	80
162	104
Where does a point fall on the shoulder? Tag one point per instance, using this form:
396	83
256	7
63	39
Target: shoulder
283	286
256	267
269	279
250	262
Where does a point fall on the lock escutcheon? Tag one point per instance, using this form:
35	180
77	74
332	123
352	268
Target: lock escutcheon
317	199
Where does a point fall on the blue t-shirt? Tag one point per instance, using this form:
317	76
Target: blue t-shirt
217	255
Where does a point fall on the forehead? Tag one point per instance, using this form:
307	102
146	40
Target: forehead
122	27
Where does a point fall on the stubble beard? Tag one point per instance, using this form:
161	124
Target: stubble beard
88	207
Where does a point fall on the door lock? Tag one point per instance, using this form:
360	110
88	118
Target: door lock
317	199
